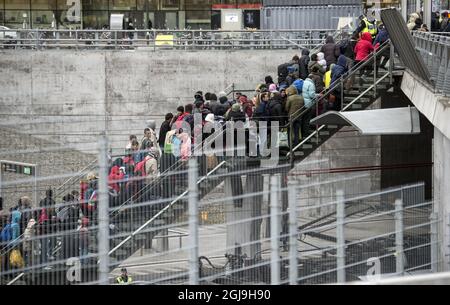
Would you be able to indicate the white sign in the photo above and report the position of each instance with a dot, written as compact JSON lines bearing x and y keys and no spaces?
{"x":232,"y":17}
{"x":74,"y":12}
{"x":116,"y":22}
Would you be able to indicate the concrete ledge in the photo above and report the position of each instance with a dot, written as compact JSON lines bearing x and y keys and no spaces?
{"x":436,"y":108}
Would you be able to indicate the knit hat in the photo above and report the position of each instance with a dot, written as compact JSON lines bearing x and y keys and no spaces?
{"x":272,"y":88}
{"x":222,"y":93}
{"x":236,"y":107}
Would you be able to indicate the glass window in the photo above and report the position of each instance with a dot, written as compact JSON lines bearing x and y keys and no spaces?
{"x":197,"y":5}
{"x":170,"y":4}
{"x":198,"y":19}
{"x":17,"y":19}
{"x":95,"y":4}
{"x":95,"y":20}
{"x":147,"y":5}
{"x":122,"y":4}
{"x":17,"y":4}
{"x":41,"y":19}
{"x":2,"y":4}
{"x":43,"y":4}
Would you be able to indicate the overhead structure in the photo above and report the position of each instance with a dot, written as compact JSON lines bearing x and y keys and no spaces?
{"x":391,"y":121}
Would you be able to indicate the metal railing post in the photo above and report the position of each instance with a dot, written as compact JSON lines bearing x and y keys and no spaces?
{"x":434,"y":242}
{"x":375,"y":74}
{"x":103,"y":219}
{"x":293,"y":269}
{"x":340,"y":236}
{"x":391,"y":62}
{"x":274,"y":231}
{"x":342,"y":91}
{"x":399,"y":237}
{"x":291,"y":142}
{"x":193,"y":223}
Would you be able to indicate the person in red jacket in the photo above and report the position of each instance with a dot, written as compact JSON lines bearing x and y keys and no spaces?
{"x":362,"y":51}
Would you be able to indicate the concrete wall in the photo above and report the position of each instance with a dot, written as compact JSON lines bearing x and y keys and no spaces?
{"x":441,"y":194}
{"x":70,"y":96}
{"x":346,"y":149}
{"x":51,"y":163}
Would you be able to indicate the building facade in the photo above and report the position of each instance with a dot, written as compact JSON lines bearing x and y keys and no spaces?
{"x":144,"y":14}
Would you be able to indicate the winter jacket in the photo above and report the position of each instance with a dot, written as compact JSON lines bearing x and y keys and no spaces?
{"x":318,"y":81}
{"x":315,"y":63}
{"x":165,"y":128}
{"x":275,"y":109}
{"x":309,"y":92}
{"x":247,"y":106}
{"x":339,"y":69}
{"x":294,"y":101}
{"x":303,"y":64}
{"x":321,"y":60}
{"x":382,"y":37}
{"x":364,"y":47}
{"x":260,"y":111}
{"x":331,"y":50}
{"x":15,"y":224}
{"x":115,"y":175}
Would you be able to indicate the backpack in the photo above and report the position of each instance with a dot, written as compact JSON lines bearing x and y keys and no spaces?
{"x":283,"y":71}
{"x":298,"y":84}
{"x":6,"y":234}
{"x":294,"y":70}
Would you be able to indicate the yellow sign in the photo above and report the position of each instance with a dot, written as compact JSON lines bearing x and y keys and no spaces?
{"x":164,"y":40}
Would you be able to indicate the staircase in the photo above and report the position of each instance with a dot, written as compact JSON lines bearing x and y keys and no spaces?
{"x":354,"y":98}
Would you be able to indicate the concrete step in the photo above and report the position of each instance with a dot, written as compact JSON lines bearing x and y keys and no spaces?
{"x":307,"y":146}
{"x":356,"y":106}
{"x":324,"y":133}
{"x":332,"y":126}
{"x":299,"y":153}
{"x":349,"y":99}
{"x":315,"y":140}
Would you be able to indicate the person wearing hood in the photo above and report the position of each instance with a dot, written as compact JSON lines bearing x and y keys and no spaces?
{"x":339,"y":70}
{"x":330,"y":50}
{"x":294,"y":104}
{"x":363,"y":49}
{"x":16,"y":216}
{"x":381,"y":38}
{"x":321,"y":60}
{"x":303,"y":64}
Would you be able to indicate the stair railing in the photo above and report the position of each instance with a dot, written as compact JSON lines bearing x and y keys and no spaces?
{"x":338,"y":84}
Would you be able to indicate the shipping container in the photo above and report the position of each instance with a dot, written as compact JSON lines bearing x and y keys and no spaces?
{"x":310,"y":2}
{"x":307,"y":17}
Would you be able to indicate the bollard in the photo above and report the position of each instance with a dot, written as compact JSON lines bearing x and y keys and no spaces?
{"x":193,"y":223}
{"x":340,"y":237}
{"x":293,"y":268}
{"x":399,"y":267}
{"x":274,"y":231}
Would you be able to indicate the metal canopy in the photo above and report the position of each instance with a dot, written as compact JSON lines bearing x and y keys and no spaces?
{"x":392,"y":121}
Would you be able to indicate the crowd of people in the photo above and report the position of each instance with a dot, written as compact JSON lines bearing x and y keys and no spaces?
{"x":299,"y":83}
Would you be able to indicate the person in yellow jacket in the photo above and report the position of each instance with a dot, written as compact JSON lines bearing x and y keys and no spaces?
{"x":124,"y":278}
{"x":327,"y":77}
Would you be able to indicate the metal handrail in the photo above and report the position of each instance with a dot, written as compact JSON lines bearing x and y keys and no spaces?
{"x":165,"y":209}
{"x":338,"y":83}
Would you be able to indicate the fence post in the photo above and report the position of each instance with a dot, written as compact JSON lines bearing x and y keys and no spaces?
{"x":375,"y":74}
{"x":274,"y":231}
{"x":391,"y":62}
{"x":193,"y":223}
{"x":399,"y":236}
{"x":103,"y":205}
{"x":292,"y":234}
{"x":340,"y":237}
{"x":433,"y":242}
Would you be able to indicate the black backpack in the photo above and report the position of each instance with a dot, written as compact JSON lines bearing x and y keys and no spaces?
{"x":283,"y":71}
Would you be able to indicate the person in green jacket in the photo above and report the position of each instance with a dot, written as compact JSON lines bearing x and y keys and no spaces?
{"x":294,"y":104}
